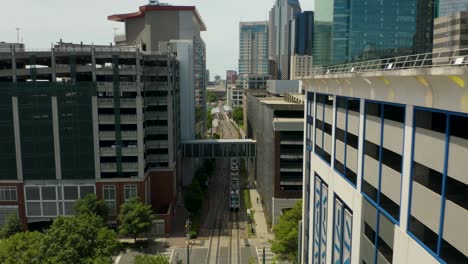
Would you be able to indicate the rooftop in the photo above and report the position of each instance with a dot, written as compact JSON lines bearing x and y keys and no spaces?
{"x":147,"y":8}
{"x":452,"y":62}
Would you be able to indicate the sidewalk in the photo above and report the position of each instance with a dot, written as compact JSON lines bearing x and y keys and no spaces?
{"x":261,"y":228}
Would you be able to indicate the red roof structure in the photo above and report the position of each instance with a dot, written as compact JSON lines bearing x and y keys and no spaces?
{"x":144,"y":9}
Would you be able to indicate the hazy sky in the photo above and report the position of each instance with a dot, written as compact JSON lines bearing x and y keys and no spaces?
{"x":45,"y":21}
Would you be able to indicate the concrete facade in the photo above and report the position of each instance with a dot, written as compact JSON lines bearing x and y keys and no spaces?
{"x":384,"y":153}
{"x":154,"y":24}
{"x":124,"y":114}
{"x":253,"y":48}
{"x":282,"y":87}
{"x":277,"y":127}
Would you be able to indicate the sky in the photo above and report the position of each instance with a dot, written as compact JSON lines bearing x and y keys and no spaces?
{"x":43,"y":22}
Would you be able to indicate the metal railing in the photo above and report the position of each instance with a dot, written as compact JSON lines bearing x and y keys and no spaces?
{"x":448,"y":58}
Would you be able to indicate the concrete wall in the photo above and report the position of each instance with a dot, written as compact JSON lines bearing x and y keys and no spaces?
{"x":282,"y":86}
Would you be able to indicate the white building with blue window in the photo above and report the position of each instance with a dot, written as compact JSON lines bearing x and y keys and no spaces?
{"x":385,"y":162}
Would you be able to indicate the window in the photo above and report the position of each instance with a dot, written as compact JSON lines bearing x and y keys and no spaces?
{"x":51,"y":201}
{"x":323,"y":127}
{"x":346,"y":138}
{"x":377,"y":236}
{"x":309,"y":120}
{"x":439,"y":179}
{"x":342,"y":232}
{"x":306,"y":222}
{"x":130,"y":191}
{"x":109,"y":199}
{"x":383,"y":156}
{"x":8,"y":193}
{"x":319,"y":247}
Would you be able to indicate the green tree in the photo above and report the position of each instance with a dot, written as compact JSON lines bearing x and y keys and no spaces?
{"x":134,"y":218}
{"x":193,"y":198}
{"x":90,"y":204}
{"x":238,"y":115}
{"x":79,"y":239}
{"x":12,"y":226}
{"x":209,"y":119}
{"x":286,"y":234}
{"x":211,"y":97}
{"x":21,"y":248}
{"x":148,"y":259}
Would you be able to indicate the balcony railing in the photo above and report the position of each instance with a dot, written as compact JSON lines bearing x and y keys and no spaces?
{"x":156,"y":130}
{"x":447,"y":58}
{"x":108,"y":166}
{"x":107,"y":151}
{"x":154,"y":144}
{"x":129,"y":166}
{"x":129,"y":134}
{"x":130,"y":151}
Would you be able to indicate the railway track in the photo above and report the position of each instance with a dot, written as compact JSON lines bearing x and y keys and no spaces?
{"x":217,"y":224}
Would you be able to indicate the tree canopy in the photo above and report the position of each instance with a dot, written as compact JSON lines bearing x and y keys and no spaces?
{"x":90,"y":204}
{"x":147,"y":259}
{"x":134,"y":218}
{"x":238,"y":115}
{"x":193,"y":198}
{"x":286,"y":234}
{"x":21,"y":248}
{"x":12,"y":226}
{"x":79,"y":239}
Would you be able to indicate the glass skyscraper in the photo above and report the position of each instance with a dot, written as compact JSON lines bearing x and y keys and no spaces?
{"x":379,"y":29}
{"x":447,"y":7}
{"x":282,"y":13}
{"x":348,"y":31}
{"x":303,"y":34}
{"x":323,"y":21}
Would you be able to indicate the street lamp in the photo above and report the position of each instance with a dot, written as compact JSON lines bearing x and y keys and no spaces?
{"x":188,"y":225}
{"x":17,"y":35}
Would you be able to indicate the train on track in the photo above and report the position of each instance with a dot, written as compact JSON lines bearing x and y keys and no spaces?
{"x":234,"y":199}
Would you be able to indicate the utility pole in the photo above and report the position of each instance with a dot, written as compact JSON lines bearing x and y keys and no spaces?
{"x":188,"y":225}
{"x":264,"y":255}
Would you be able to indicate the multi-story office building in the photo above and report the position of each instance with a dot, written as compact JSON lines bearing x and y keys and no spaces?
{"x":323,"y":21}
{"x":277,"y":125}
{"x":451,"y":33}
{"x":301,"y":65}
{"x":231,"y":77}
{"x":381,"y":29}
{"x":385,"y":164}
{"x":163,"y":23}
{"x":253,"y":48}
{"x":302,"y":34}
{"x":447,"y":7}
{"x":235,"y":96}
{"x":363,"y":30}
{"x":85,"y":119}
{"x":279,"y":24}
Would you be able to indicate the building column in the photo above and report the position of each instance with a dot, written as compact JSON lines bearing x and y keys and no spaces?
{"x":332,"y":158}
{"x":97,"y":160}
{"x":362,"y":116}
{"x":13,"y":65}
{"x":93,"y":64}
{"x":16,"y":127}
{"x":406,"y":175}
{"x":55,"y":129}
{"x":53,"y":69}
{"x":140,"y":136}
